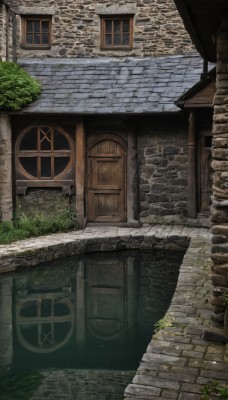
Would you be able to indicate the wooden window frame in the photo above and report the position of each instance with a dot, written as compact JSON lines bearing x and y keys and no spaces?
{"x":121,"y":18}
{"x":52,"y":322}
{"x":40,"y":18}
{"x":63,"y":178}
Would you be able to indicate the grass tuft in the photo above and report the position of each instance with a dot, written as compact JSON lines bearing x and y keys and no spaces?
{"x":24,"y":227}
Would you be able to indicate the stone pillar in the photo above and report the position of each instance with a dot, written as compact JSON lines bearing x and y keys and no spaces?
{"x":6,"y":200}
{"x":219,"y":210}
{"x":6,"y":329}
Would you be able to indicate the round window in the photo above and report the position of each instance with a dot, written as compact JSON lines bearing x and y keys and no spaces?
{"x":44,"y":152}
{"x":44,"y":323}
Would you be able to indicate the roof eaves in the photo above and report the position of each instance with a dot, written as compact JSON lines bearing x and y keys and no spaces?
{"x":196,"y":88}
{"x":189,"y":25}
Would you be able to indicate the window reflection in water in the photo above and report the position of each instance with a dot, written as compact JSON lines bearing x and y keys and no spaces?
{"x":92,"y":311}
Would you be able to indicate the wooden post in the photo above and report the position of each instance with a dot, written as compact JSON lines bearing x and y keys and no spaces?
{"x":6,"y":196}
{"x":6,"y":315}
{"x":80,"y":306}
{"x":132,"y":301}
{"x":80,"y":173}
{"x":192,"y":207}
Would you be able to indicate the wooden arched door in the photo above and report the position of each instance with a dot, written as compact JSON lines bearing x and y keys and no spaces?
{"x":106,"y":198}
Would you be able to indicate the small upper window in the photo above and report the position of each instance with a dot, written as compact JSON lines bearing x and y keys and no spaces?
{"x":36,"y":31}
{"x":116,"y":32}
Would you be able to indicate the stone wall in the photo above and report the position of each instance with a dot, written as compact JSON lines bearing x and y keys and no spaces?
{"x":3,"y":18}
{"x":219,"y":211}
{"x":163,"y":169}
{"x":83,"y":384}
{"x":43,"y":201}
{"x":6,"y":36}
{"x":157,"y":282}
{"x":54,"y":249}
{"x":158,"y":28}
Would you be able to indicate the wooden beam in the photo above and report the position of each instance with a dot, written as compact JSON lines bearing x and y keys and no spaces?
{"x":80,"y":173}
{"x":6,"y":195}
{"x":80,"y":307}
{"x":192,"y":207}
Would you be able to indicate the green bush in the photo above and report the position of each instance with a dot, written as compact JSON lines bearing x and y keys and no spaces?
{"x":23,"y":227}
{"x":17,"y":87}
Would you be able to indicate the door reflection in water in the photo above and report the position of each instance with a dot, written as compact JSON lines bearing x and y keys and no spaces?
{"x":89,"y":312}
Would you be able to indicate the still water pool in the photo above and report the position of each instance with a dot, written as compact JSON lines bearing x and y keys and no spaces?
{"x":83,"y":323}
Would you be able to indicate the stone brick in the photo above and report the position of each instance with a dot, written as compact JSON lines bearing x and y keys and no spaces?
{"x":140,"y":390}
{"x":220,"y":230}
{"x":219,"y":210}
{"x":219,"y":248}
{"x":219,"y":165}
{"x":189,"y":396}
{"x":158,"y":28}
{"x":217,"y":300}
{"x":187,"y":387}
{"x":220,"y":269}
{"x":219,"y":239}
{"x":218,"y":215}
{"x":164,"y":169}
{"x":160,"y":383}
{"x":221,"y":153}
{"x":219,"y":280}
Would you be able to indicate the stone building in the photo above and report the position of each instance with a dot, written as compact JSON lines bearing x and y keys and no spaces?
{"x":105,"y":136}
{"x":208,"y":27}
{"x":83,"y":28}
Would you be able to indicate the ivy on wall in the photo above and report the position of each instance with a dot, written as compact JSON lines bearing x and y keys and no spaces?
{"x":17,"y":87}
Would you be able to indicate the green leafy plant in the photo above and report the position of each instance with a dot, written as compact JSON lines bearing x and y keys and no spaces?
{"x":21,"y":386}
{"x":23,"y":226}
{"x":163,"y":323}
{"x":225,"y":299}
{"x":213,"y":388}
{"x":17,"y":87}
{"x":223,"y":392}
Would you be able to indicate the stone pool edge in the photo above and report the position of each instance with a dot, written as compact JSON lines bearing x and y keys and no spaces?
{"x":178,"y":363}
{"x":35,"y":251}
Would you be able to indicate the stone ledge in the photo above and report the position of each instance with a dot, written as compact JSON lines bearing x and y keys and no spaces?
{"x":35,"y":251}
{"x":35,"y":10}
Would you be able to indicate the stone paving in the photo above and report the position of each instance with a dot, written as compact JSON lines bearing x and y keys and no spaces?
{"x":178,"y":363}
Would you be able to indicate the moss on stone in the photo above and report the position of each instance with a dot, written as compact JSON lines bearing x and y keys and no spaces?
{"x":21,"y":386}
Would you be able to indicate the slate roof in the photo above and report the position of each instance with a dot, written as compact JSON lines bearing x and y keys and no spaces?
{"x":112,"y":86}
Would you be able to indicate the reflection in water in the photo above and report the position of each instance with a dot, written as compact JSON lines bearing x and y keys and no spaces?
{"x":85,"y":317}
